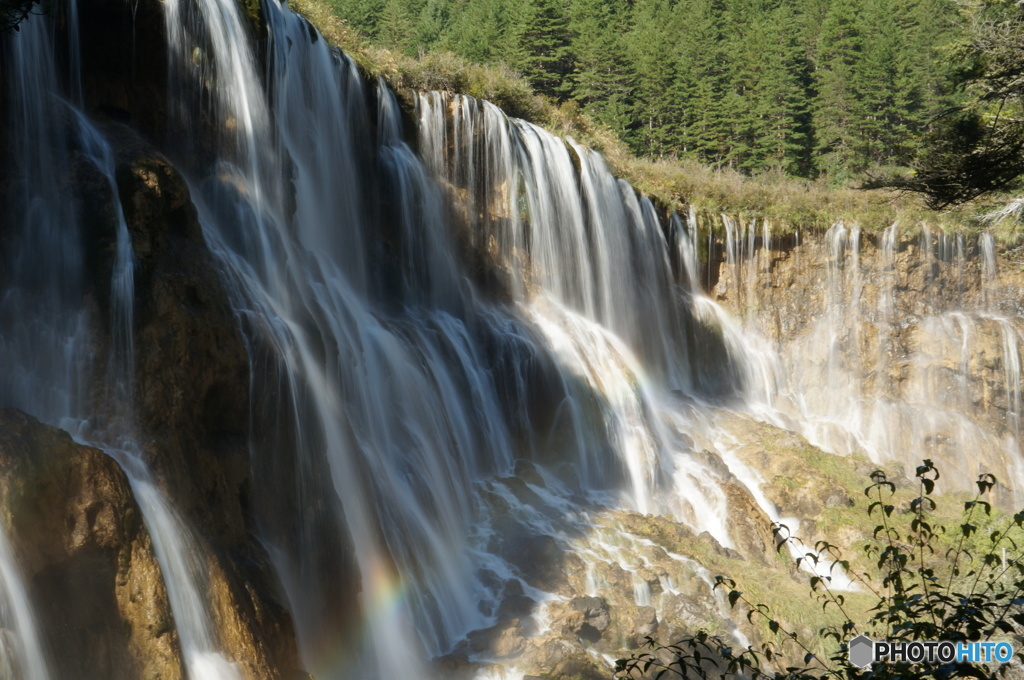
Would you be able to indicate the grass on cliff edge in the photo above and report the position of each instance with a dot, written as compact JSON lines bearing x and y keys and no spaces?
{"x":789,"y":203}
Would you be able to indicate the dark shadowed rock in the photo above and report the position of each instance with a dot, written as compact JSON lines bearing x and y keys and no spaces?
{"x":192,"y":396}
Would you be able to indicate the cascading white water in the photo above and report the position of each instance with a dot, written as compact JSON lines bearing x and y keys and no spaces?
{"x":183,"y":571}
{"x":989,"y":269}
{"x":21,"y":648}
{"x":180,"y":558}
{"x":44,"y":341}
{"x":389,"y":380}
{"x":421,"y":324}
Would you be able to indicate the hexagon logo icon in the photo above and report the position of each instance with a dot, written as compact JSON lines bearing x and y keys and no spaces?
{"x":862,"y":651}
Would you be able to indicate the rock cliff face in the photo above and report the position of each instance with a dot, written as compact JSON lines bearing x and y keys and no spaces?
{"x":87,"y":556}
{"x":909,"y":340}
{"x":192,"y":400}
{"x":192,"y":410}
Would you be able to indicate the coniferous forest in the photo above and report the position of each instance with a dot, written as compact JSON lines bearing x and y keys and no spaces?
{"x":806,"y":87}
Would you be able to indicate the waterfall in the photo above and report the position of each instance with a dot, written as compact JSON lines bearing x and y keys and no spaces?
{"x":21,"y":648}
{"x":387,"y":373}
{"x":989,"y":269}
{"x":861,"y":376}
{"x":47,"y":295}
{"x":179,"y":556}
{"x":463,"y":355}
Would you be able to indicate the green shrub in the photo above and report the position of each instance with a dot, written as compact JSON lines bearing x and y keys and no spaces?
{"x":967,"y":593}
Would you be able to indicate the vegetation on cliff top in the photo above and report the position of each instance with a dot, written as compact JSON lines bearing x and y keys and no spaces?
{"x":674,"y":180}
{"x":805,"y":87}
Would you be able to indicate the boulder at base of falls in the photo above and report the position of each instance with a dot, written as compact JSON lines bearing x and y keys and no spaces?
{"x":85,"y":557}
{"x":634,"y":625}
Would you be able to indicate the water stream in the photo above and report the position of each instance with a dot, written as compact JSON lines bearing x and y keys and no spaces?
{"x":461,"y":352}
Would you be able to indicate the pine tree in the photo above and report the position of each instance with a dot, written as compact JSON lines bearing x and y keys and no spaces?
{"x":395,"y":26}
{"x":479,"y":30}
{"x":539,"y":38}
{"x":782,"y":137}
{"x":837,"y":109}
{"x":701,"y":81}
{"x":654,"y":59}
{"x":361,"y":14}
{"x":602,"y":81}
{"x":431,"y":25}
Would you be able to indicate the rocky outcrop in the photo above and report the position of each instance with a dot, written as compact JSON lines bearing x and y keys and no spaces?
{"x":92,"y":572}
{"x":910,"y":342}
{"x":86,"y":556}
{"x":192,"y":387}
{"x":192,"y":401}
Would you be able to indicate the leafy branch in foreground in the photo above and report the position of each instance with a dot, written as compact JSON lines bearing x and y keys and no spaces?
{"x":969,"y":592}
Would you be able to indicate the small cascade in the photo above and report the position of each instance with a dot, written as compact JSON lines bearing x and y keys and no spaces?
{"x":884,"y":387}
{"x":180,"y":557}
{"x":886,"y":299}
{"x":1011,"y":341}
{"x":686,"y":239}
{"x":21,"y":647}
{"x":122,"y":284}
{"x":788,"y":527}
{"x":180,"y":561}
{"x":989,"y":269}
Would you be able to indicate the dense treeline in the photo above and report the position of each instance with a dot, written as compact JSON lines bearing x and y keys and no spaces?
{"x":807,"y":87}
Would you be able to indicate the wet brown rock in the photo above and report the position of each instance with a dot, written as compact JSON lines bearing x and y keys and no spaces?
{"x":192,"y":390}
{"x":192,"y":418}
{"x":580,"y":666}
{"x":749,"y":527}
{"x":684,"y":615}
{"x":192,"y":396}
{"x":662,"y":531}
{"x":540,"y":559}
{"x":514,"y":603}
{"x":455,"y":665}
{"x":86,"y":556}
{"x":594,"y":618}
{"x":502,"y":641}
{"x":561,"y":659}
{"x":634,"y":625}
{"x":797,"y":476}
{"x":551,"y":652}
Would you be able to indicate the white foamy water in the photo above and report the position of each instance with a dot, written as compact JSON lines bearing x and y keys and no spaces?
{"x":483,"y":343}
